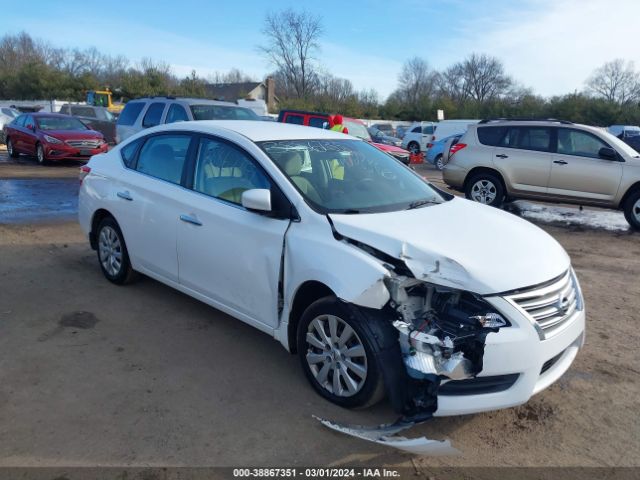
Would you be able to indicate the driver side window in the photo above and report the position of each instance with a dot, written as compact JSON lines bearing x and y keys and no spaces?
{"x":225,"y":172}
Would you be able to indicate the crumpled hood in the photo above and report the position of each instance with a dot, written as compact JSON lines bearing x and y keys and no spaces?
{"x":461,"y":244}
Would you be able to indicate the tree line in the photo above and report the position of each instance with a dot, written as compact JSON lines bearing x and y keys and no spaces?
{"x":475,"y":87}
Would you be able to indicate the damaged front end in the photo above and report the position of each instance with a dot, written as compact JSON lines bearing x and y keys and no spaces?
{"x":441,"y":337}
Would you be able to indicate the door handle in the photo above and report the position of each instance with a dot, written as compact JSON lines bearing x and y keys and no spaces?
{"x":560,"y":162}
{"x":124,"y":196}
{"x":190,"y":219}
{"x":502,"y":155}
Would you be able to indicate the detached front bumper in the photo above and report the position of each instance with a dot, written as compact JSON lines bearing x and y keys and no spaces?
{"x":67,"y":152}
{"x":517,"y":365}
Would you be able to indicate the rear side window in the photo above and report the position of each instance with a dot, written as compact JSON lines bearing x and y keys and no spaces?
{"x":153,"y":115}
{"x":83,"y":112}
{"x":130,"y":113}
{"x":317,"y":122}
{"x":491,"y":135}
{"x":295,"y":119}
{"x":128,"y":153}
{"x":176,"y":113}
{"x":528,"y":138}
{"x":163,"y":157}
{"x":19,"y":122}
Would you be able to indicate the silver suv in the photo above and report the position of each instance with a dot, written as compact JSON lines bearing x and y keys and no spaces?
{"x":148,"y":112}
{"x":549,"y":160}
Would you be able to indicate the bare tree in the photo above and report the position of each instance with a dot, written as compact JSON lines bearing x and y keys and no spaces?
{"x":483,"y":77}
{"x":615,"y":81}
{"x":232,"y":76}
{"x":417,"y":81}
{"x":291,"y":43}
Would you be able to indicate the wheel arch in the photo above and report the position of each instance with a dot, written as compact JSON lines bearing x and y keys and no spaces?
{"x":305,"y":295}
{"x":632,"y":189}
{"x":477,"y":170}
{"x":98,"y":216}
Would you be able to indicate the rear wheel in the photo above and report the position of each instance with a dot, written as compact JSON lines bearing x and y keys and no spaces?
{"x":414,"y":147}
{"x":632,"y":210}
{"x":11,"y":150}
{"x":485,"y":188}
{"x":112,"y":253}
{"x":338,"y":354}
{"x":439,"y":163}
{"x":42,"y":159}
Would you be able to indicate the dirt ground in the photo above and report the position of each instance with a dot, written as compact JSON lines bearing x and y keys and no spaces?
{"x":95,"y":374}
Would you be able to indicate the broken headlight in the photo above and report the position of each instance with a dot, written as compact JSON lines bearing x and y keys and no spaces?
{"x":442,"y":331}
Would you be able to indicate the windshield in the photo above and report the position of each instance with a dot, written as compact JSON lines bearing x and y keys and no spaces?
{"x":222,"y":112}
{"x":60,"y":123}
{"x":349,"y":176}
{"x":357,"y":130}
{"x":619,"y":144}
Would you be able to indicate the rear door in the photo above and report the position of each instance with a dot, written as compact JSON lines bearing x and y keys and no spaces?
{"x":578,"y":171}
{"x":523,"y":156}
{"x":148,"y":202}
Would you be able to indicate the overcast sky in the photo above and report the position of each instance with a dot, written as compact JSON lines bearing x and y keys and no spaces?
{"x":551,"y":46}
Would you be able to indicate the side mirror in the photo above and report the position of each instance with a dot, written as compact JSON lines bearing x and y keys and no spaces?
{"x":257,"y":199}
{"x":607,"y":153}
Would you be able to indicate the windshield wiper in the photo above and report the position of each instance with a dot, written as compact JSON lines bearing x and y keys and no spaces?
{"x":420,"y":203}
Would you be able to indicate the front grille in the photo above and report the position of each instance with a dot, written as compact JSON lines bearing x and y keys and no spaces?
{"x":478,"y":385}
{"x":83,"y":143}
{"x":550,"y":305}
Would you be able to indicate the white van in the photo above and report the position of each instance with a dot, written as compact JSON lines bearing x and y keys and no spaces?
{"x":446,"y":128}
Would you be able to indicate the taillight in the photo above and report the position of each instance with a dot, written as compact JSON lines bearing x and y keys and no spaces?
{"x":429,"y":145}
{"x":84,"y":171}
{"x":456,"y":148}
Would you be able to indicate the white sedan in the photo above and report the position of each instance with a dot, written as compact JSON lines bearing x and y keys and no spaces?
{"x":380,"y":282}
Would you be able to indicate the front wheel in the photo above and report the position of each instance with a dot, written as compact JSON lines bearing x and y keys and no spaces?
{"x":485,"y":188}
{"x":338,"y":355}
{"x":632,"y":210}
{"x":42,"y":159}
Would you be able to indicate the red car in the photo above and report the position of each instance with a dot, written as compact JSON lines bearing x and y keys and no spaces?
{"x":52,"y":136}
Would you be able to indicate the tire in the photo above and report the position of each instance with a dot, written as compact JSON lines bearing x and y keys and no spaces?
{"x":40,"y":156}
{"x":485,"y":188}
{"x":113,"y":257}
{"x":12,"y":151}
{"x":632,"y":210}
{"x":439,"y":163}
{"x":414,"y":147}
{"x":366,"y":385}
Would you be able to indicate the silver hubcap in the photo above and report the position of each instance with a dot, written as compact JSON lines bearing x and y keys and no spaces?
{"x":40,"y":153}
{"x":336,"y":356}
{"x":484,"y":191}
{"x":110,"y":251}
{"x":439,"y":163}
{"x":414,"y":148}
{"x":636,"y":210}
{"x":10,"y":148}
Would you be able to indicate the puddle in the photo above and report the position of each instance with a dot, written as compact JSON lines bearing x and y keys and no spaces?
{"x":29,"y":200}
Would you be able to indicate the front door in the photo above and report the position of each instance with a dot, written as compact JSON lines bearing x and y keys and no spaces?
{"x":578,"y":171}
{"x":227,"y":253}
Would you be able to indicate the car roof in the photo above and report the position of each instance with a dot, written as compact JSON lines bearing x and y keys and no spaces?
{"x":188,"y":101}
{"x":256,"y":130}
{"x":538,"y":123}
